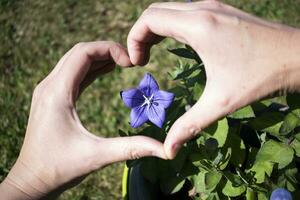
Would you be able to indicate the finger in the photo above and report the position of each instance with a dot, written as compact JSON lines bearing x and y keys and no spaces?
{"x":77,"y":64}
{"x":155,"y":22}
{"x":178,"y":5}
{"x":201,"y":115}
{"x":128,"y":148}
{"x":210,"y":5}
{"x":60,"y":62}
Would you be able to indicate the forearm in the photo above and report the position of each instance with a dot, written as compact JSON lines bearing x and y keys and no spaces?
{"x":291,"y":70}
{"x":277,"y":55}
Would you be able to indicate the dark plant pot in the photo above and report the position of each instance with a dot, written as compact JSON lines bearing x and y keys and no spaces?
{"x":136,"y":187}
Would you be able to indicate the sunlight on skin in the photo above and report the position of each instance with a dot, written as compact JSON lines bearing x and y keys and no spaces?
{"x":257,"y":58}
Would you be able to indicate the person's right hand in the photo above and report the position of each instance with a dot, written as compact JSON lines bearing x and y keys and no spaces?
{"x":245,"y":58}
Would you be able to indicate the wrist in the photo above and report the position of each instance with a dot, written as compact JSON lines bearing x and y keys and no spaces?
{"x":278,"y":68}
{"x":10,"y":191}
{"x":291,"y":70}
{"x":285,"y":63}
{"x":24,"y":183}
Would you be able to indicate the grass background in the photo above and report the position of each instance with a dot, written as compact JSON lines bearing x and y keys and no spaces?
{"x":34,"y":34}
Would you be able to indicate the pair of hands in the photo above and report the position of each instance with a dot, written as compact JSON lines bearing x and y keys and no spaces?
{"x":245,"y":58}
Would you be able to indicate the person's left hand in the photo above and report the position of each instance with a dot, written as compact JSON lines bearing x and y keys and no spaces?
{"x":58,"y":152}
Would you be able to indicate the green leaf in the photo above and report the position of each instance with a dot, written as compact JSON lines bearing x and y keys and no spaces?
{"x":261,"y":169}
{"x":196,"y":157}
{"x":245,"y":112}
{"x":293,"y":100}
{"x":268,"y":122}
{"x":233,"y":178}
{"x":211,"y":144}
{"x":197,"y":58}
{"x":183,"y":52}
{"x":275,"y":152}
{"x":187,"y":71}
{"x":179,"y":91}
{"x":122,"y":133}
{"x":235,"y":142}
{"x":212,"y":179}
{"x":290,"y":122}
{"x":217,"y":159}
{"x":271,"y":152}
{"x":199,"y":182}
{"x":189,"y":170}
{"x":297,"y":136}
{"x":250,"y":194}
{"x":296,"y":144}
{"x":219,"y":131}
{"x":173,"y":185}
{"x":223,"y":164}
{"x":197,"y":91}
{"x":261,"y":106}
{"x":288,"y":179}
{"x":262,"y":196}
{"x":213,"y":196}
{"x":231,"y":190}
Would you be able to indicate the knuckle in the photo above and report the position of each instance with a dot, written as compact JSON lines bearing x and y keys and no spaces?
{"x":46,"y":94}
{"x":189,"y":129}
{"x":79,"y":45}
{"x":115,"y":52}
{"x":147,"y":13}
{"x":132,"y":148}
{"x":37,"y":92}
{"x":215,"y":3}
{"x":208,"y":17}
{"x":154,"y":5}
{"x":207,"y":23}
{"x":226,"y":104}
{"x":131,"y":153}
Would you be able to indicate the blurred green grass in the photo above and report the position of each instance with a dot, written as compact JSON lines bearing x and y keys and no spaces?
{"x":34,"y":34}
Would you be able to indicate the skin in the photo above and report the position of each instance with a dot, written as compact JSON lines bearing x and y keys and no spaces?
{"x":58,"y":152}
{"x":245,"y":58}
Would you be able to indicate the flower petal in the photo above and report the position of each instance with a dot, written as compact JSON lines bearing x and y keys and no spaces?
{"x":138,"y":116}
{"x":156,"y":115}
{"x":163,"y":98}
{"x":148,"y":85}
{"x":132,"y":97}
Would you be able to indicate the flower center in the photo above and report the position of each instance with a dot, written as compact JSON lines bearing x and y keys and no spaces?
{"x":147,"y":101}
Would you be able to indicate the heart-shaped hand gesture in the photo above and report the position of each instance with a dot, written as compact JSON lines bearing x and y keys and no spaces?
{"x":58,"y":152}
{"x":245,"y":58}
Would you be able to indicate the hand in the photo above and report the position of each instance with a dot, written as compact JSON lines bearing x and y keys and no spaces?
{"x":58,"y":152}
{"x":245,"y":58}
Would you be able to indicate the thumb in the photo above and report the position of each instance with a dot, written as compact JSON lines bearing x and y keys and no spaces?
{"x":129,"y":148}
{"x":200,"y":116}
{"x":151,"y":27}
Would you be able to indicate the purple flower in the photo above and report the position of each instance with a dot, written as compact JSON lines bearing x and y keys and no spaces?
{"x":147,"y":102}
{"x":281,"y":194}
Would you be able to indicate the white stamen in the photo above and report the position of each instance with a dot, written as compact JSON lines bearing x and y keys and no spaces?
{"x":147,"y":101}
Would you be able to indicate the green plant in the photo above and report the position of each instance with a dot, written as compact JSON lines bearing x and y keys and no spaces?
{"x":245,"y":155}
